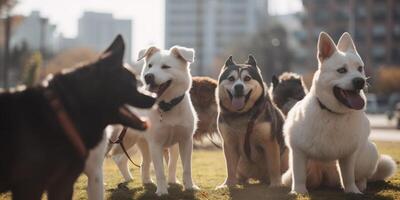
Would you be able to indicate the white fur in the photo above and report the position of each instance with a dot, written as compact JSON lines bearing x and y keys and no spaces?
{"x":167,"y":129}
{"x":94,"y":168}
{"x":317,"y":134}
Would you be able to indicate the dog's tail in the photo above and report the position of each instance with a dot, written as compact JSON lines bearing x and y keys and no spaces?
{"x":386,"y":168}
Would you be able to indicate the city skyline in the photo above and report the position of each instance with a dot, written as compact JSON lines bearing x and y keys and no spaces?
{"x":147,"y":16}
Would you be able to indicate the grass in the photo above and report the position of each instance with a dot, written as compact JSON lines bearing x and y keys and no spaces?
{"x":209,"y":171}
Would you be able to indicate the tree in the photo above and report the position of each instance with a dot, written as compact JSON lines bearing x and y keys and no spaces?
{"x":31,"y":71}
{"x":69,"y":59}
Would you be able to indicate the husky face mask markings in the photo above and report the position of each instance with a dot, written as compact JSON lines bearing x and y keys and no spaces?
{"x":240,"y":85}
{"x":342,"y":70}
{"x":247,"y":122}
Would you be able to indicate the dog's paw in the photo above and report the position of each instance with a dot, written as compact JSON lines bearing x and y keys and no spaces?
{"x":224,"y":186}
{"x":352,"y":189}
{"x":175,"y":182}
{"x":161,"y":191}
{"x":302,"y":190}
{"x":147,"y":182}
{"x":193,"y":188}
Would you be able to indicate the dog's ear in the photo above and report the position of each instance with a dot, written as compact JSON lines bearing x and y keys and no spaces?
{"x":147,"y":53}
{"x":275,"y":81}
{"x":186,"y":54}
{"x":115,"y":52}
{"x":251,"y":61}
{"x":229,"y":62}
{"x":346,"y":43}
{"x":326,"y":46}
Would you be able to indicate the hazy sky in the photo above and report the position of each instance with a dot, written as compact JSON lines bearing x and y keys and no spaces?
{"x":147,"y":15}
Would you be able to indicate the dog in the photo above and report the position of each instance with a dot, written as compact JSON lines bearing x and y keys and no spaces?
{"x":330,"y":124}
{"x":250,"y":125}
{"x":48,"y":130}
{"x":202,"y":95}
{"x":166,"y":73}
{"x":203,"y":98}
{"x":287,"y":90}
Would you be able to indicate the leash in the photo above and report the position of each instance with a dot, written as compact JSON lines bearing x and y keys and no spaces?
{"x":120,"y":142}
{"x":69,"y":128}
{"x":213,"y":142}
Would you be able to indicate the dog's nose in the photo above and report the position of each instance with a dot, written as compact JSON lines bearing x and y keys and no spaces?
{"x":239,"y":89}
{"x":358,"y":83}
{"x":149,"y":79}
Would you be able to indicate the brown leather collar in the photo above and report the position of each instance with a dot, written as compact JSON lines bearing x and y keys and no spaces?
{"x":69,"y":128}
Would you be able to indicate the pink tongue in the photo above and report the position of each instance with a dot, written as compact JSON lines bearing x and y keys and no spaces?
{"x":354,"y":100}
{"x":238,"y":103}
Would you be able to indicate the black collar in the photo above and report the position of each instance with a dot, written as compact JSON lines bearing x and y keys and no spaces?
{"x":167,"y":106}
{"x":323,"y":107}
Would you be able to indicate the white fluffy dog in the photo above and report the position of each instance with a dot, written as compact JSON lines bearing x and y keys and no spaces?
{"x":167,"y":73}
{"x":330,"y":124}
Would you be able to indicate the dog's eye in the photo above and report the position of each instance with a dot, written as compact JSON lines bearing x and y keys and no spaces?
{"x":247,"y":78}
{"x":342,"y":70}
{"x":165,"y":67}
{"x":360,"y":68}
{"x":150,"y":65}
{"x":231,"y":78}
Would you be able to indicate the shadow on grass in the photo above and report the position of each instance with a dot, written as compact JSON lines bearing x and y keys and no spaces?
{"x":259,"y":191}
{"x":175,"y":191}
{"x":122,"y":192}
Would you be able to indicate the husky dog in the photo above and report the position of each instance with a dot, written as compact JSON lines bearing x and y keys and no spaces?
{"x":250,"y":125}
{"x":48,"y":130}
{"x":167,"y":73}
{"x":330,"y":124}
{"x":287,"y":90}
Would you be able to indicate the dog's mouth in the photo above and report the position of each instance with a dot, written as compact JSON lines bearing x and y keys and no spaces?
{"x":160,"y":89}
{"x":350,"y":98}
{"x":128,"y":118}
{"x":238,"y":102}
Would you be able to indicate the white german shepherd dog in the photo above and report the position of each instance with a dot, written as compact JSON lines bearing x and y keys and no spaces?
{"x":330,"y":124}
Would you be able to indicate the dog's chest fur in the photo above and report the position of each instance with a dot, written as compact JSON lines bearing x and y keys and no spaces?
{"x":168,"y":128}
{"x":324,"y":135}
{"x":235,"y":128}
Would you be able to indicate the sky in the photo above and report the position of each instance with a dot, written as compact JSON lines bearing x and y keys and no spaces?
{"x":147,"y":15}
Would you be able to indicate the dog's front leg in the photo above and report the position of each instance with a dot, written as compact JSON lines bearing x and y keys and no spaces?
{"x":95,"y":187}
{"x":347,"y":165}
{"x":231,"y":159}
{"x":172,"y":162}
{"x":146,"y":161}
{"x":185,"y":150}
{"x":273,"y":164}
{"x":158,"y":163}
{"x":298,"y":164}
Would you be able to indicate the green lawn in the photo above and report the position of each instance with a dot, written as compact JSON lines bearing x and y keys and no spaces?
{"x":209,"y":171}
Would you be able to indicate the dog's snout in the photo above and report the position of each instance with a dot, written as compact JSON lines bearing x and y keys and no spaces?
{"x":358,"y":83}
{"x":149,"y":78}
{"x":239,"y":89}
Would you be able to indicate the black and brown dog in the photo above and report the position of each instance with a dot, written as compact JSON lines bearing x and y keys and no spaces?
{"x":287,"y":90}
{"x":46,"y":131}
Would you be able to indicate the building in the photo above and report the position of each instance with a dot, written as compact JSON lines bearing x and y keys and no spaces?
{"x":210,"y":27}
{"x":35,"y":32}
{"x":97,"y":30}
{"x":374,"y":24}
